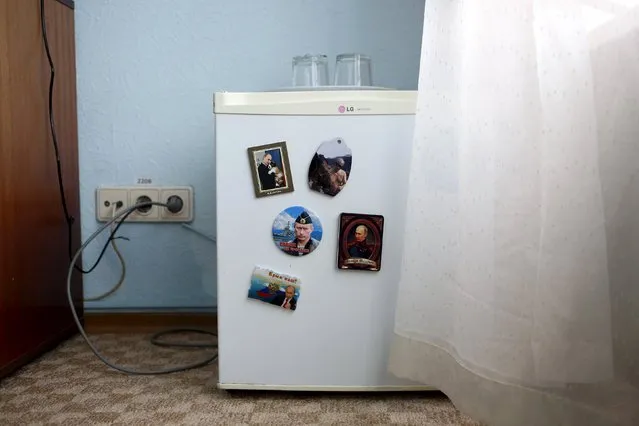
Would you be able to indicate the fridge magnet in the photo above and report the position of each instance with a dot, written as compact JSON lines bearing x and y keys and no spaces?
{"x":330,"y":167}
{"x":276,"y":289}
{"x":297,"y":231}
{"x":270,"y":169}
{"x":360,"y":241}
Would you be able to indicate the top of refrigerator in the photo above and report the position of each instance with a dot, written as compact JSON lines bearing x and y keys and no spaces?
{"x":317,"y":102}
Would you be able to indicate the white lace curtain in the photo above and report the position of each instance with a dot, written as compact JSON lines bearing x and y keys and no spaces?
{"x":519,"y":295}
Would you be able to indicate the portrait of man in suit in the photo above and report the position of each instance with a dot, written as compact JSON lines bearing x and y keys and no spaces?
{"x":270,"y":169}
{"x":266,"y":172}
{"x":286,"y":300}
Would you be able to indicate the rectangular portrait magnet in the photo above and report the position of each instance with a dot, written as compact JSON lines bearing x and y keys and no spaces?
{"x":270,"y":169}
{"x":360,"y":241}
{"x":279,"y":290}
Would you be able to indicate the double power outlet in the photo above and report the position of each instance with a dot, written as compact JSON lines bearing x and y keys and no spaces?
{"x":123,"y":197}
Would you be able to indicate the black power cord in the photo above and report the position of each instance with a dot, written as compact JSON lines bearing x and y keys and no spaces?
{"x":70,"y":220}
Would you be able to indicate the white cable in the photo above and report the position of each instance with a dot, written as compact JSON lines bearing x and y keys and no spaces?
{"x":124,"y":214}
{"x":200,"y":233}
{"x":120,"y":258}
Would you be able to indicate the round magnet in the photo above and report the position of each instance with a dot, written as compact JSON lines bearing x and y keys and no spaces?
{"x":330,"y":167}
{"x":297,"y":231}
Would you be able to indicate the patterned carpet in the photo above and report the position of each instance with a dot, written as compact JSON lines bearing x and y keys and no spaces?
{"x":71,"y":386}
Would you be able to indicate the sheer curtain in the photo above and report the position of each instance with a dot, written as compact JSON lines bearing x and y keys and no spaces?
{"x":519,"y":294}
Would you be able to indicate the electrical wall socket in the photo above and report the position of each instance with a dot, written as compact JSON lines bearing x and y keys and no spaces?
{"x":106,"y":198}
{"x":141,"y":195}
{"x":131,"y":195}
{"x":186,"y":195}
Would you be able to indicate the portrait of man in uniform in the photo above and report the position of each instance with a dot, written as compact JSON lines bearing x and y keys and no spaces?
{"x":296,"y":231}
{"x":359,"y":247}
{"x":303,"y":243}
{"x":360,"y":241}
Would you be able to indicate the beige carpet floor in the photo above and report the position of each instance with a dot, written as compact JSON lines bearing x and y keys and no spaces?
{"x":71,"y":386}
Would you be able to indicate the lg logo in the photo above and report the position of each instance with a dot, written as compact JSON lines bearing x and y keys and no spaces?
{"x":342,"y":109}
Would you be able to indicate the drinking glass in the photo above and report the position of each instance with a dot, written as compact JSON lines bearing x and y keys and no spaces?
{"x":353,"y":69}
{"x":310,"y":70}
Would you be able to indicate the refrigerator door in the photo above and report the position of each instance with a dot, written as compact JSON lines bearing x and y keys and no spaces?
{"x":339,"y":335}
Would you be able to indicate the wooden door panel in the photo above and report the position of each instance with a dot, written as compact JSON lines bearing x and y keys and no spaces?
{"x":34,"y":312}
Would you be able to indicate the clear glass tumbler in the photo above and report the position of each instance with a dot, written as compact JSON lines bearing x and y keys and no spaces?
{"x":310,"y":71}
{"x":353,"y":69}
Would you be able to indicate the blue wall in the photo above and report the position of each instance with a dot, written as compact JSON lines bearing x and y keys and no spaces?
{"x":147,"y":71}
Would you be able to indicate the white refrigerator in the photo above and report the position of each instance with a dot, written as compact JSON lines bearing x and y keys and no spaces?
{"x":338,"y":337}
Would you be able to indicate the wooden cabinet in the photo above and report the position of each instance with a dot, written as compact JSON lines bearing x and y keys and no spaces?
{"x":34,"y":312}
